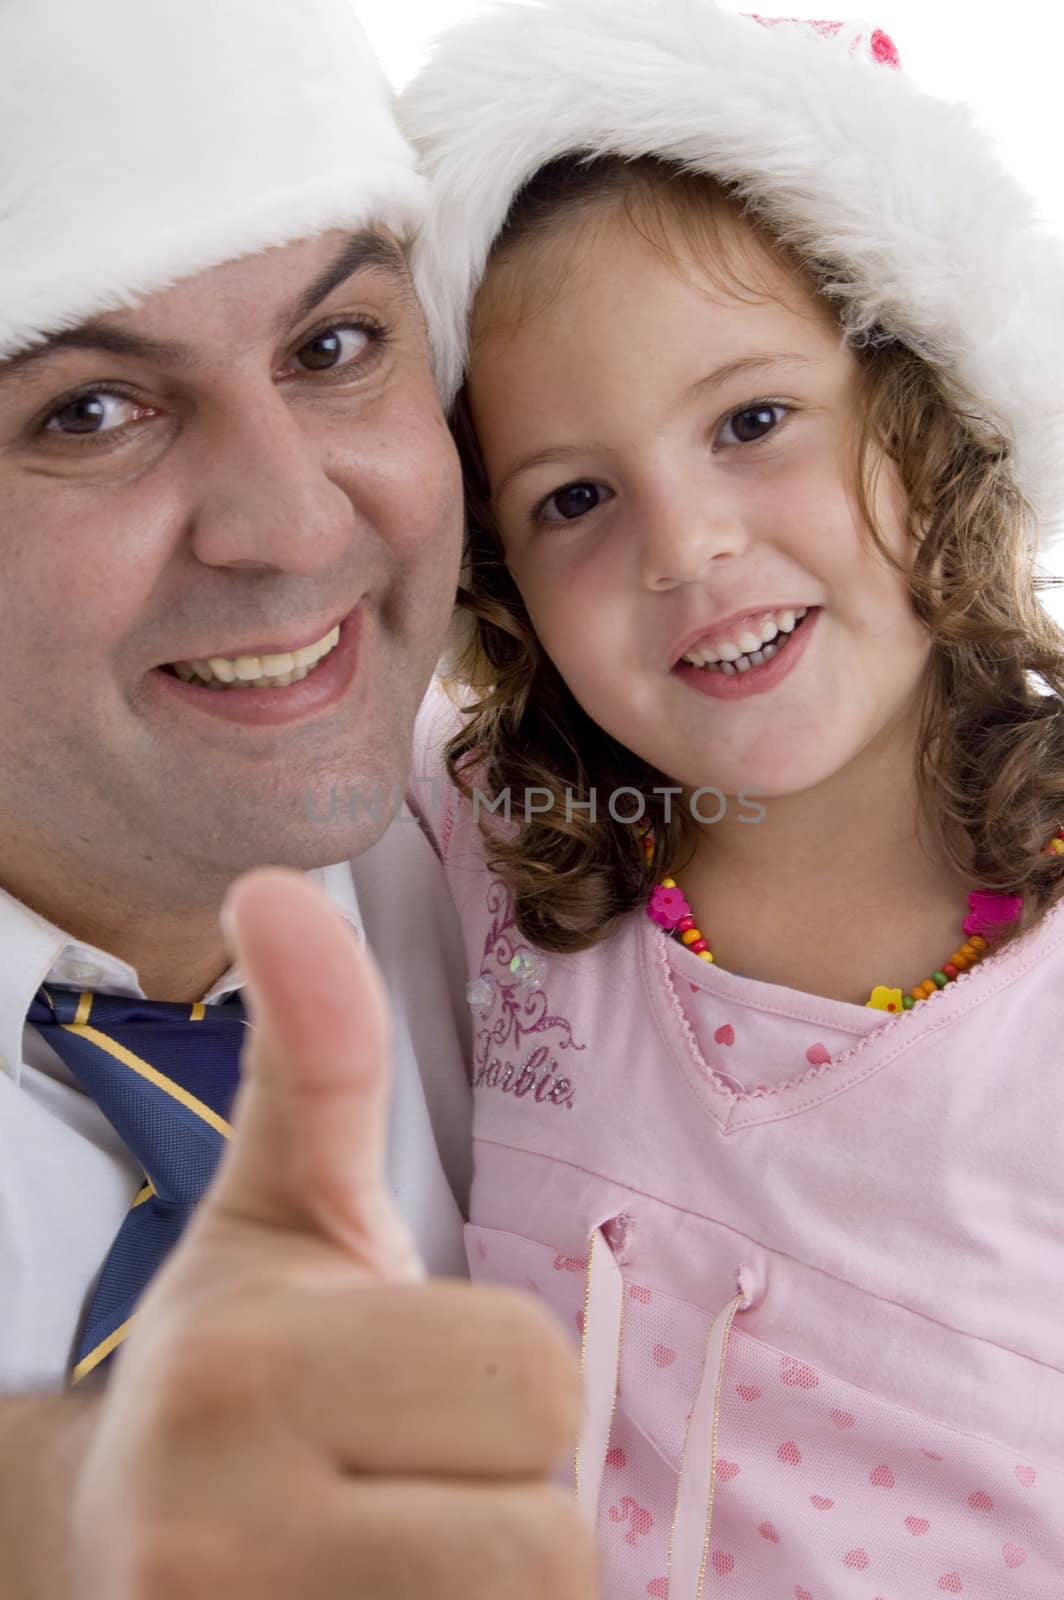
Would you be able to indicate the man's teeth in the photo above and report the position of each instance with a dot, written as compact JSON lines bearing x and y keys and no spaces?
{"x":756,"y":644}
{"x":258,"y":672}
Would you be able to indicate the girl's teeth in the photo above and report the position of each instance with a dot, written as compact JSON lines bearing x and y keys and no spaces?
{"x":751,"y":650}
{"x":221,"y":669}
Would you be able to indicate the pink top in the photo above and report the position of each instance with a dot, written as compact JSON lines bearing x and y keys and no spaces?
{"x":813,"y":1252}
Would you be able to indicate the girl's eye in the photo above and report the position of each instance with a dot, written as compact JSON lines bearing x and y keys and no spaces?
{"x":752,"y":423}
{"x":572,"y":502}
{"x":334,"y":347}
{"x":98,"y":412}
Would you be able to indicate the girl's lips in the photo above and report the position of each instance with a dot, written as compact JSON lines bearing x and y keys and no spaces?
{"x":323,"y":687}
{"x":757,"y":680}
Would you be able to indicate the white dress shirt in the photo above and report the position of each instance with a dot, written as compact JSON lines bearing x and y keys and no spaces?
{"x":66,"y":1179}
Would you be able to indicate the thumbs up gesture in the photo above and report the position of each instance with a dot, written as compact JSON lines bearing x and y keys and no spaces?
{"x":297,"y":1414}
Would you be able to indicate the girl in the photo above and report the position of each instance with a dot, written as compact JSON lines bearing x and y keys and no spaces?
{"x":761,"y":418}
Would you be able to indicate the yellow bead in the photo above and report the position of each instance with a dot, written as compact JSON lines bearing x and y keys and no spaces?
{"x":692,"y":936}
{"x":978,"y":941}
{"x":1057,"y":847}
{"x":705,"y":955}
{"x":668,"y":883}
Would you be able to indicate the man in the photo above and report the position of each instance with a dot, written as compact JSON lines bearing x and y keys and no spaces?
{"x":230,"y":518}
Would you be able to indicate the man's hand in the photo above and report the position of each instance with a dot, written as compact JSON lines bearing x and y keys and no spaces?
{"x":295,"y":1416}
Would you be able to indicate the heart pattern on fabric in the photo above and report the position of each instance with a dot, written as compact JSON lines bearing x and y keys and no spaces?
{"x":767,"y":1531}
{"x":818,"y":1055}
{"x":917,"y":1526}
{"x":1014,"y":1555}
{"x":727,"y":1470}
{"x":882,"y":1476}
{"x":723,"y":1563}
{"x":789,"y":1453}
{"x":725,"y":1034}
{"x":797,"y":1374}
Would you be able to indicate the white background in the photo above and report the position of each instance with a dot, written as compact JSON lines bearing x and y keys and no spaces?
{"x":1006,"y":60}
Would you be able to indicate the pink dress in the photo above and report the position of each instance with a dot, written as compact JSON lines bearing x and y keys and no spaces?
{"x":813,"y":1256}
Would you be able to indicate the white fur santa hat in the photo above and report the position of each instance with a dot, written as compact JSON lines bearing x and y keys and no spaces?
{"x":897,"y":199}
{"x":143,"y":141}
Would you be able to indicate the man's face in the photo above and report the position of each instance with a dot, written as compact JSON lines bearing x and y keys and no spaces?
{"x":191,"y":492}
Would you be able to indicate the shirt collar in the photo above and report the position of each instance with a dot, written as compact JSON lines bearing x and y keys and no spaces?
{"x":34,"y":951}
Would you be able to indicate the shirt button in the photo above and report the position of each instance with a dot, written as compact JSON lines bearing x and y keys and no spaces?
{"x":79,"y":972}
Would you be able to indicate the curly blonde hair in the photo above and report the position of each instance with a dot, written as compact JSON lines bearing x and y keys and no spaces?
{"x":990,"y":758}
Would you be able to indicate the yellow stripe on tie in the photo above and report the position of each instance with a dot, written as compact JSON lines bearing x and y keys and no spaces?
{"x":81,"y":1015}
{"x":105,"y":1347}
{"x":145,"y":1070}
{"x":147,"y":1193}
{"x":199,"y":1011}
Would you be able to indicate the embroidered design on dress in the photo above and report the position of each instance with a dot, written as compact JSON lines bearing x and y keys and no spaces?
{"x":509,"y":995}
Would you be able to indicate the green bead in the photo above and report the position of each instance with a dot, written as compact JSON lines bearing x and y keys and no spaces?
{"x":907,"y":1002}
{"x":939,"y":978}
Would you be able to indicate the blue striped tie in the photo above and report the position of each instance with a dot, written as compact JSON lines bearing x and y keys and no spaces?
{"x":164,"y":1076}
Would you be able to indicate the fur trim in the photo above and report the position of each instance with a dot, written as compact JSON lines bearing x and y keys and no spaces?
{"x":144,"y":142}
{"x":898,"y":198}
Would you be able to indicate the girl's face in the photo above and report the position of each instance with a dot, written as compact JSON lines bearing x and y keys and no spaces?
{"x":672,"y":471}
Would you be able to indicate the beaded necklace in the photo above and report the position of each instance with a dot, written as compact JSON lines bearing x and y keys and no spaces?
{"x":988,"y":915}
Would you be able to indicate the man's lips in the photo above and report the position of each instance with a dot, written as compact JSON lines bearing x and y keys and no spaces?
{"x":309,"y":635}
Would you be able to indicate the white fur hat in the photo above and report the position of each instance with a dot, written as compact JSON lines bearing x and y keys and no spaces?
{"x":897,"y":198}
{"x":143,"y":141}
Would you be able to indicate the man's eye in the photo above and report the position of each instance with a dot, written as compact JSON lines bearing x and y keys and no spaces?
{"x":334,"y":347}
{"x":751,"y":423}
{"x":99,"y":412}
{"x":573,"y":502}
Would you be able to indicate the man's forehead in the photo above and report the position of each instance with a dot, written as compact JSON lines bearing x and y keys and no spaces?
{"x":308,"y":284}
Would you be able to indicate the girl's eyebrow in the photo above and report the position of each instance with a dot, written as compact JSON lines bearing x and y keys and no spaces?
{"x":555,"y":455}
{"x":731,"y":369}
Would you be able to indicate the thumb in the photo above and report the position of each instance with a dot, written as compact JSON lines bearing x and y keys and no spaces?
{"x":309,"y":1144}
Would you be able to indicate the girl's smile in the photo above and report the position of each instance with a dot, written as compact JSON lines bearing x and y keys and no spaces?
{"x":672,"y":471}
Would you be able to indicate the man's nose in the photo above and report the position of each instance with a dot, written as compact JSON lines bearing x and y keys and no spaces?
{"x":267,"y":498}
{"x":682,"y":532}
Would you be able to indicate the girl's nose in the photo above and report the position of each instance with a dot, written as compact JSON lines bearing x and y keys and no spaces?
{"x":682,"y":535}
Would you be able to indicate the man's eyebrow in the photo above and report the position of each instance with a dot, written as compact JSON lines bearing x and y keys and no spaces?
{"x":364,"y":252}
{"x":90,"y":336}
